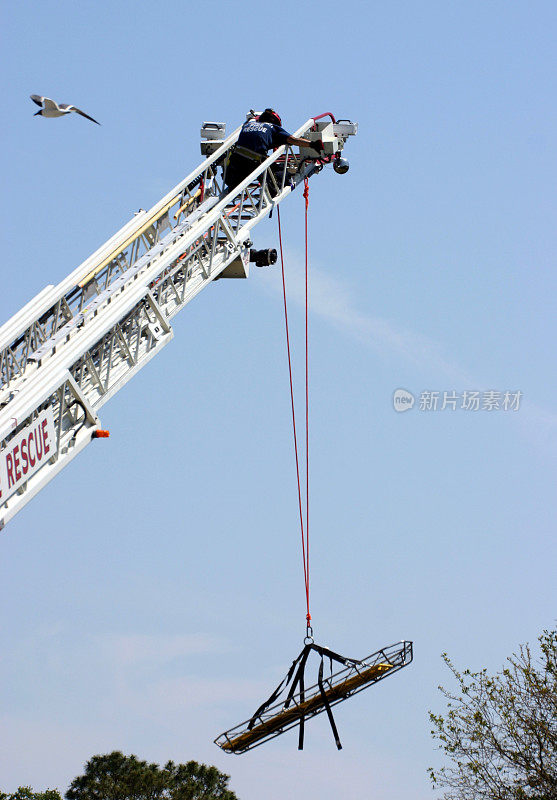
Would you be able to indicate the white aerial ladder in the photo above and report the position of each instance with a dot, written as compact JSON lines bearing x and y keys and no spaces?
{"x":73,"y":346}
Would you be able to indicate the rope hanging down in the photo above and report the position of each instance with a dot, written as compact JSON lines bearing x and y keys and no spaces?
{"x":304,"y":534}
{"x":296,"y":673}
{"x":309,"y":629}
{"x":301,"y":703}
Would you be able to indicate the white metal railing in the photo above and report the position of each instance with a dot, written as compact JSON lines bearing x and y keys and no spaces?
{"x":77,"y":344}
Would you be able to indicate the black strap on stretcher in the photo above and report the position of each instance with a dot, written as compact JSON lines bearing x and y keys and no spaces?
{"x":295,"y":678}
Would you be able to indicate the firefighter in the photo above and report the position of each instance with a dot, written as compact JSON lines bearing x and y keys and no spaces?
{"x":257,"y":136}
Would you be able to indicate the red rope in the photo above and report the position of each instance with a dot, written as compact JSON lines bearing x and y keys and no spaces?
{"x":293,"y":412}
{"x":306,"y":198}
{"x":305,"y":539}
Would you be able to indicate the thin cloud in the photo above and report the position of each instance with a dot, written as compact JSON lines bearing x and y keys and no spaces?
{"x":331,"y":300}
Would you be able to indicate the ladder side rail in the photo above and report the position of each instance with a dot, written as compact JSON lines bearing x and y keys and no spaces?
{"x":21,"y":320}
{"x":85,"y":360}
{"x":16,"y":325}
{"x":37,"y":307}
{"x":30,"y":347}
{"x":132,"y":324}
{"x":147,"y":271}
{"x":107,"y":295}
{"x":138,"y":226}
{"x":99,"y":370}
{"x":215,"y":220}
{"x":45,"y":390}
{"x":206,"y":172}
{"x":19,"y":329}
{"x":18,"y":409}
{"x":172,"y":196}
{"x":126,"y":346}
{"x":108,"y":318}
{"x":74,"y":424}
{"x":212,"y":220}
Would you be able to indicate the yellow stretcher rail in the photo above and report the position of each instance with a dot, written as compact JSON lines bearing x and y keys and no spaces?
{"x":289,"y":715}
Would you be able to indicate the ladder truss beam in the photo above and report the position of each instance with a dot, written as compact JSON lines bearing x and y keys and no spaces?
{"x":104,"y":322}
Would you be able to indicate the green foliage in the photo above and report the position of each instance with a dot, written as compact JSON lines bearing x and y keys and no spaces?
{"x":115,"y":776}
{"x":500,"y":732}
{"x":26,"y":793}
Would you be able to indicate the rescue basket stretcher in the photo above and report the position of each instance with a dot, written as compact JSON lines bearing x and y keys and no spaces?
{"x":276,"y":719}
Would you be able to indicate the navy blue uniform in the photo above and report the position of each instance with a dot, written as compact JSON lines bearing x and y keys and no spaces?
{"x":254,"y":142}
{"x":261,"y":136}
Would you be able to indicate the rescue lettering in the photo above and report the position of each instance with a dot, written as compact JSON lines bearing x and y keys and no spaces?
{"x":26,"y":452}
{"x":36,"y":438}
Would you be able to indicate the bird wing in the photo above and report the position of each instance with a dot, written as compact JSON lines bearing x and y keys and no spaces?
{"x":83,"y":114}
{"x":36,"y":98}
{"x":50,"y":105}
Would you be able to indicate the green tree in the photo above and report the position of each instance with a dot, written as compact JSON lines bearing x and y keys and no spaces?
{"x":26,"y":793}
{"x":500,"y":732}
{"x":115,"y":776}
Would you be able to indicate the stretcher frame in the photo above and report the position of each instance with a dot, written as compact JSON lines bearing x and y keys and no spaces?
{"x":350,"y":680}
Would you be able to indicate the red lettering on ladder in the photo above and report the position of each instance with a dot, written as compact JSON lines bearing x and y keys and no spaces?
{"x":24,"y":457}
{"x":16,"y":463}
{"x":45,"y":437}
{"x":31,"y":439}
{"x":38,"y":441}
{"x":9,"y":468}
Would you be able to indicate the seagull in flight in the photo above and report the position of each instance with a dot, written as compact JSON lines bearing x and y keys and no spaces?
{"x":50,"y":108}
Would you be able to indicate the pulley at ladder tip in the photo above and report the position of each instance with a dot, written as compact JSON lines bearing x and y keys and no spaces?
{"x":273,"y":718}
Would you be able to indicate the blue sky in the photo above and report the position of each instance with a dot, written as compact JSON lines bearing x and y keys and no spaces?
{"x":152,"y":594}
